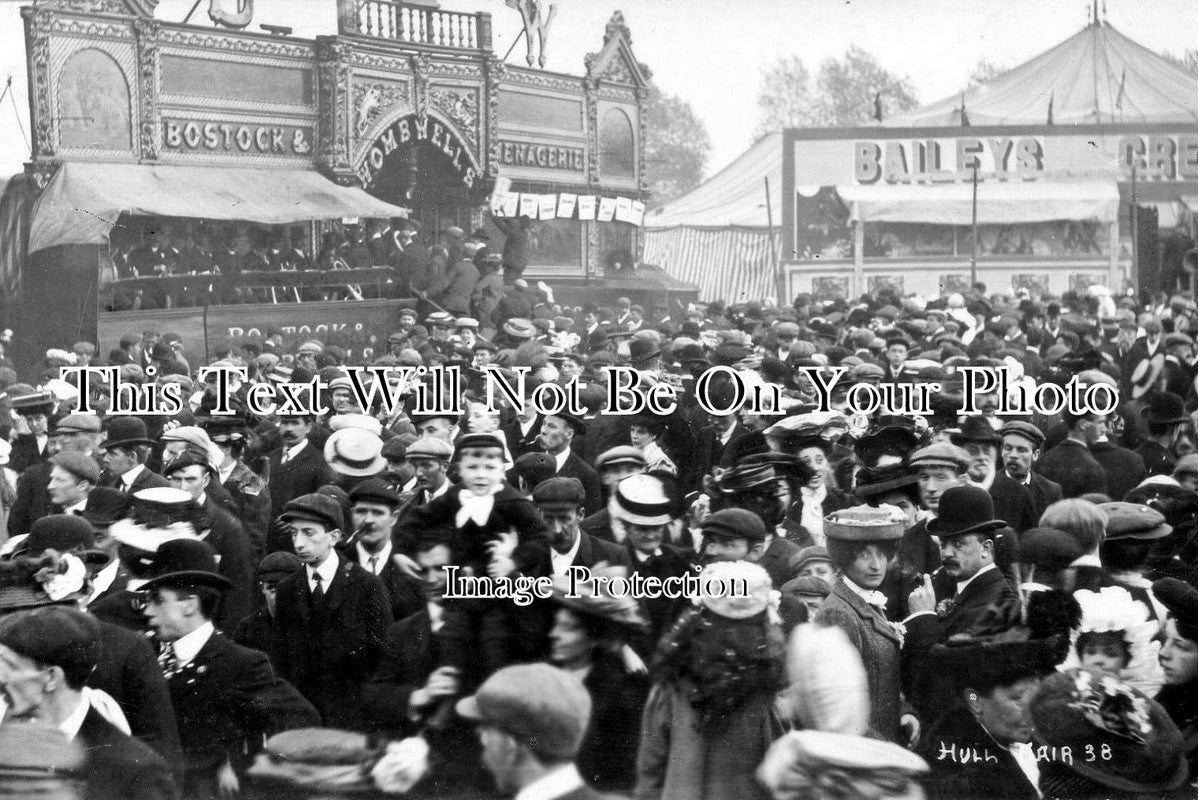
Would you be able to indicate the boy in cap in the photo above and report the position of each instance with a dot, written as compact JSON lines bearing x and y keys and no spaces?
{"x":496,"y":532}
{"x":333,"y":614}
{"x":225,"y":696}
{"x":46,"y":657}
{"x":260,"y":630}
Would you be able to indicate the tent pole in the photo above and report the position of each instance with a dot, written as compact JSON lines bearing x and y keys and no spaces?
{"x":1135,"y":231}
{"x":779,"y":283}
{"x":973,"y":257}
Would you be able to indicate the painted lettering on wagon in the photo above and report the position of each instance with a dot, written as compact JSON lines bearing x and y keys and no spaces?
{"x":523,"y":154}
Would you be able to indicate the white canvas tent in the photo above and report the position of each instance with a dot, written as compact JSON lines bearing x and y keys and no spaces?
{"x":718,"y":235}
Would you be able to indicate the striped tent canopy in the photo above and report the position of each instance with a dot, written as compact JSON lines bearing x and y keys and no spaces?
{"x":718,"y":236}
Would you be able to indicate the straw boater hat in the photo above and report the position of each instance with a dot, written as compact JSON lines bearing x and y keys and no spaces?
{"x":641,"y":500}
{"x":866,"y":524}
{"x":355,"y":452}
{"x":1145,"y":374}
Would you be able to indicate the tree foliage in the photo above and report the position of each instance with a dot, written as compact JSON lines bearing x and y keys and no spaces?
{"x":985,"y":71}
{"x":842,"y":92}
{"x":676,"y":147}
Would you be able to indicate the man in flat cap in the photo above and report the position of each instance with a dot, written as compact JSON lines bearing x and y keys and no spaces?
{"x":374,"y":512}
{"x":78,"y":433}
{"x":1012,"y":502}
{"x":72,"y":477}
{"x":46,"y":656}
{"x":1021,"y":446}
{"x":532,"y":719}
{"x":333,"y":614}
{"x":429,"y":457}
{"x":192,"y":472}
{"x":560,"y":502}
{"x":558,"y":433}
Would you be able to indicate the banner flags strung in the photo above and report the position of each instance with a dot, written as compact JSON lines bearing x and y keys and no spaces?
{"x":564,"y":204}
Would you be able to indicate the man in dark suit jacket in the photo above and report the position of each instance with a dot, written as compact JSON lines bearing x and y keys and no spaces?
{"x":409,"y":692}
{"x":521,"y":431}
{"x":558,"y":432}
{"x":374,"y":512}
{"x":559,"y":502}
{"x":1022,"y":443}
{"x":961,"y":592}
{"x":295,"y":469}
{"x":125,"y":452}
{"x":66,"y":641}
{"x":538,"y":716}
{"x":226,"y":697}
{"x":1012,"y":502}
{"x":333,"y":615}
{"x":1070,"y":463}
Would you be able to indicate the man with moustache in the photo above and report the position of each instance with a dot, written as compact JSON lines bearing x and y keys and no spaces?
{"x":1021,"y":446}
{"x":297,"y":468}
{"x":1012,"y":502}
{"x":560,"y":502}
{"x":429,"y":457}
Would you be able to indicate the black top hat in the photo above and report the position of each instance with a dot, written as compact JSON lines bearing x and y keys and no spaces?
{"x":976,"y":429}
{"x":964,"y":509}
{"x":185,"y":562}
{"x":1165,"y":408}
{"x":127,"y":432}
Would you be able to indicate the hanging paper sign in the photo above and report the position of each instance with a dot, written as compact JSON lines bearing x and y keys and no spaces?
{"x":502,"y":187}
{"x":565,"y":205}
{"x":530,"y":205}
{"x":638,"y":213}
{"x":511,"y":205}
{"x":624,"y":209}
{"x":586,"y":206}
{"x":548,"y":206}
{"x":607,"y":209}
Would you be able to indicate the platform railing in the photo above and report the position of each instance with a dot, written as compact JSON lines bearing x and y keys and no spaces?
{"x":416,"y":24}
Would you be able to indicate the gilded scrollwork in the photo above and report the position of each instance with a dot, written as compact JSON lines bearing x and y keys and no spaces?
{"x":148,"y":62}
{"x":421,"y":64}
{"x":333,"y":82}
{"x":235,"y":44}
{"x":371,"y":99}
{"x":460,"y":105}
{"x":37,"y":26}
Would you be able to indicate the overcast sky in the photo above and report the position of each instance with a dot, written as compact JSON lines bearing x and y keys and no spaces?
{"x":712,"y":52}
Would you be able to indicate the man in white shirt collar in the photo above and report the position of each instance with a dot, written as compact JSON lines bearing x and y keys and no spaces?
{"x":429,"y":456}
{"x":125,"y":451}
{"x":560,"y":501}
{"x":532,"y":719}
{"x":557,"y":433}
{"x":72,"y":477}
{"x":373,"y":514}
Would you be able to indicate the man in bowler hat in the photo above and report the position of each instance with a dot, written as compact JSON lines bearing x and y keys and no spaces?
{"x":226,"y":697}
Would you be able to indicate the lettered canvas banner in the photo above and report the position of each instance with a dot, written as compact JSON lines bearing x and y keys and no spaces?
{"x":548,"y":206}
{"x":530,"y":205}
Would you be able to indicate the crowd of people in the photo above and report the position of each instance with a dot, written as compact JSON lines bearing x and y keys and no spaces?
{"x":956,"y":607}
{"x":201,"y":264}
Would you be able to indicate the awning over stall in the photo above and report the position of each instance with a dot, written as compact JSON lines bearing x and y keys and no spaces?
{"x":999,"y":203}
{"x":83,"y":201}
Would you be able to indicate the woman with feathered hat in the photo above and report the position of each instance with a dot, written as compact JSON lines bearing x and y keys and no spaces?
{"x":709,"y":719}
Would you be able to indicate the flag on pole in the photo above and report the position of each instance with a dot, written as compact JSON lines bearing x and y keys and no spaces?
{"x":1122,"y":86}
{"x":1051,"y":97}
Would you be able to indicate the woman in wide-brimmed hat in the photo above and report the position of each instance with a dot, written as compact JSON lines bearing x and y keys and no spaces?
{"x":590,"y":630}
{"x":1179,"y":660}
